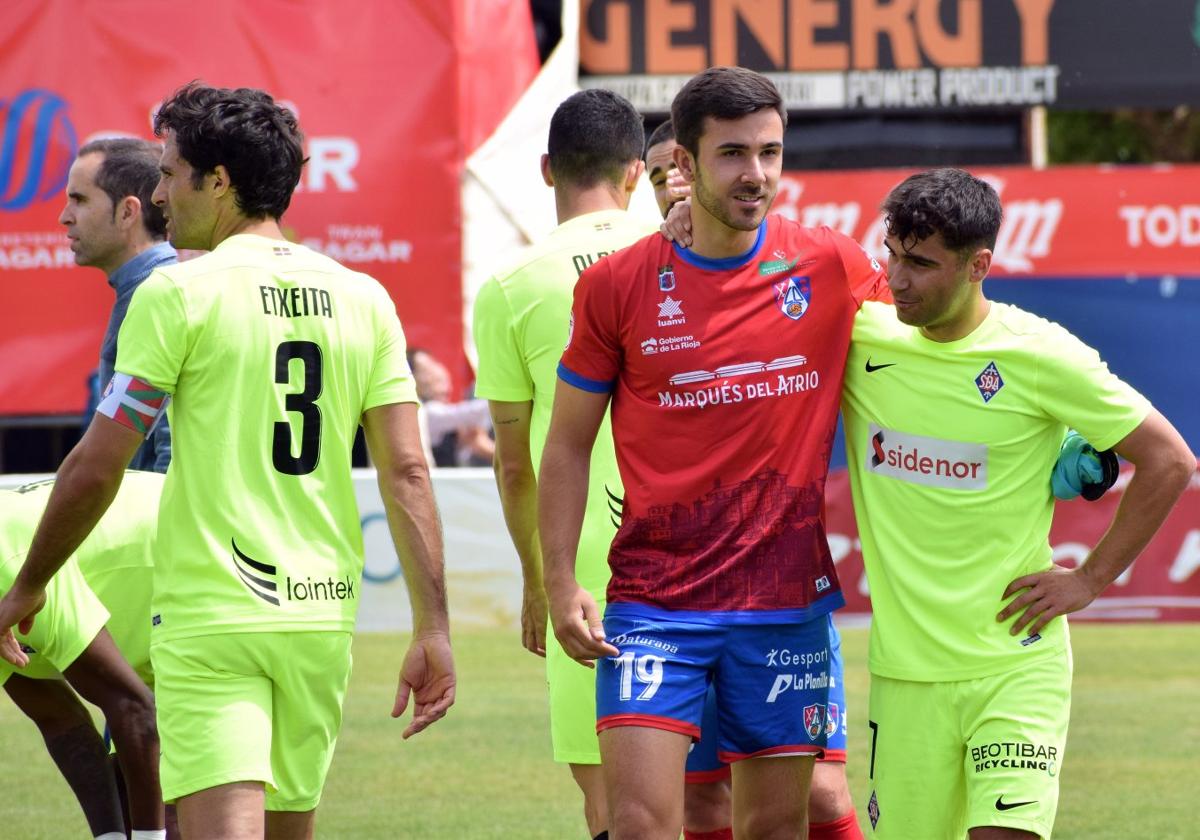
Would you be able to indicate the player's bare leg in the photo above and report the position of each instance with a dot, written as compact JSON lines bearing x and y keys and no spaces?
{"x":643,"y":776}
{"x":995,"y":832}
{"x":590,"y":779}
{"x":707,"y":807}
{"x":291,"y":825}
{"x":770,"y":797}
{"x":225,"y":812}
{"x":830,"y":806}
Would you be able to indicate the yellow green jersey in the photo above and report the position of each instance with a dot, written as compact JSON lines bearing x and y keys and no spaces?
{"x":107,"y":582}
{"x":950,"y":449}
{"x":522,"y":317}
{"x":271,"y":353}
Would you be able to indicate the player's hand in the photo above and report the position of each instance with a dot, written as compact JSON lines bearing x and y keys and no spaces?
{"x":533,"y":619}
{"x":677,"y":227}
{"x":428,"y":676}
{"x":1047,"y":595}
{"x":578,"y":625}
{"x":678,"y":187}
{"x":17,"y":608}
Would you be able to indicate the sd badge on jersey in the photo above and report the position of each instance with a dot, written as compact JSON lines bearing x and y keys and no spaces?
{"x":794,"y":296}
{"x":666,"y":278}
{"x":989,"y":382}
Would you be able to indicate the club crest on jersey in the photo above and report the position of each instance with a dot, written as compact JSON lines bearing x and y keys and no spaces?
{"x":814,"y":720}
{"x":666,"y":278}
{"x":989,"y":382}
{"x":794,"y":296}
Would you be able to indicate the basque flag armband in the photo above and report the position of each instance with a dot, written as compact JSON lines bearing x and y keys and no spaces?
{"x":133,"y":402}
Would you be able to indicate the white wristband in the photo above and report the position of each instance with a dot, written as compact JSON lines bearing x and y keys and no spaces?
{"x":148,"y":834}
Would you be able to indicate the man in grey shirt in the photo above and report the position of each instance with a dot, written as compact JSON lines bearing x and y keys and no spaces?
{"x":113,"y":226}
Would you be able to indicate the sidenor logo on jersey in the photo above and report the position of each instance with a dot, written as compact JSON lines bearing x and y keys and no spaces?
{"x":932,"y":462}
{"x":262,"y":580}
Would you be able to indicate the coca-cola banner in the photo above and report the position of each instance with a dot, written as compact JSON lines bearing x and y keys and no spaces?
{"x":903,"y":55}
{"x":1162,"y":584}
{"x":1071,"y":221}
{"x":380,"y":91}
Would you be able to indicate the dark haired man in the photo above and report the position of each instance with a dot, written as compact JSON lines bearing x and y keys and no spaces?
{"x":521,"y":324}
{"x":113,"y":225}
{"x":707,"y":799}
{"x":724,"y":364}
{"x":273,"y":355}
{"x":955,"y":407}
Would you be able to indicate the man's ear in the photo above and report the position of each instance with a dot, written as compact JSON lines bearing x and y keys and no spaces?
{"x":220,"y":183}
{"x":547,"y":175}
{"x":684,"y":162}
{"x":633,"y":174}
{"x":981,"y":264}
{"x":128,"y":212}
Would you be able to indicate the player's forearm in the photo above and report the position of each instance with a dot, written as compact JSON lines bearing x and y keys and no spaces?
{"x":82,"y":493}
{"x":518,"y":499}
{"x":417,"y":534}
{"x":562,"y":498}
{"x":1154,"y":489}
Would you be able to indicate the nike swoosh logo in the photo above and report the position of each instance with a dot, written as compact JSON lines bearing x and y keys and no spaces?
{"x":1001,"y":805}
{"x":872,"y":368}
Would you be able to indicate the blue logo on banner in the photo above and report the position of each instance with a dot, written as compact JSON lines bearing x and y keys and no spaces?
{"x":36,"y":148}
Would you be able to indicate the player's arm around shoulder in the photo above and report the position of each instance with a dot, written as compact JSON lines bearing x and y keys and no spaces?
{"x":428,"y":671}
{"x":1163,"y":466}
{"x":562,"y":498}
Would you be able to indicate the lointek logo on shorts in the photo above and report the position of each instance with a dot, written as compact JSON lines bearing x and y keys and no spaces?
{"x":933,"y":462}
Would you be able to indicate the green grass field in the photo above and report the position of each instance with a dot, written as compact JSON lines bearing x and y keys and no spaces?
{"x":485,"y":772}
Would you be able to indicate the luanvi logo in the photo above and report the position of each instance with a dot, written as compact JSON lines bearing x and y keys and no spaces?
{"x":251,"y":572}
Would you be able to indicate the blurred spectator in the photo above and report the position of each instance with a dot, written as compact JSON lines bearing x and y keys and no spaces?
{"x":113,"y":226}
{"x":458,"y":434}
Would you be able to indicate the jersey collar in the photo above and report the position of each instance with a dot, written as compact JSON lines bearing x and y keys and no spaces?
{"x":724,"y":263}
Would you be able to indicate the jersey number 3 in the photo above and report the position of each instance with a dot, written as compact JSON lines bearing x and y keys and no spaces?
{"x":304,"y":404}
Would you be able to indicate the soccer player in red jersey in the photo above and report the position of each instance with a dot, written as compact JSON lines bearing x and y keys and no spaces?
{"x":723,"y":363}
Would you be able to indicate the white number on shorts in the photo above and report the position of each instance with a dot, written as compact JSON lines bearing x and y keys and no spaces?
{"x":649,"y":670}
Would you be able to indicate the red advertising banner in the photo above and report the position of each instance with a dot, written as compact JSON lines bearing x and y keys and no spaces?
{"x":1072,"y":221}
{"x":1163,"y":584}
{"x":378,"y":90}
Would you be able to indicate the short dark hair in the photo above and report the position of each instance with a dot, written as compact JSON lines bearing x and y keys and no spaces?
{"x":664,"y":133}
{"x":130,"y":167}
{"x":964,"y":209}
{"x":723,"y":93}
{"x":594,"y":135}
{"x":257,"y":141}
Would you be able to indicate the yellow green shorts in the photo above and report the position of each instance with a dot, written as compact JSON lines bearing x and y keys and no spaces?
{"x":66,"y":625}
{"x":572,"y":705}
{"x":946,"y":757}
{"x":245,"y":707}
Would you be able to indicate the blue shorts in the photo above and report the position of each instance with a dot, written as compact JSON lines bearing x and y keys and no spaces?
{"x":703,"y":764}
{"x":771,"y":680}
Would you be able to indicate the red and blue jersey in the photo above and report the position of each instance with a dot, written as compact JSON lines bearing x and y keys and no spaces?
{"x":725,"y":377}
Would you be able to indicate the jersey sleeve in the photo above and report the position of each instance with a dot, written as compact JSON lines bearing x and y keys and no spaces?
{"x":502,"y":373}
{"x":593,"y":353}
{"x":153,"y":340}
{"x":391,"y":377}
{"x":865,"y":277}
{"x":1076,"y":388}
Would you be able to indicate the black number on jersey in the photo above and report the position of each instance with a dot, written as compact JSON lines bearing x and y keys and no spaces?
{"x":304,"y":404}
